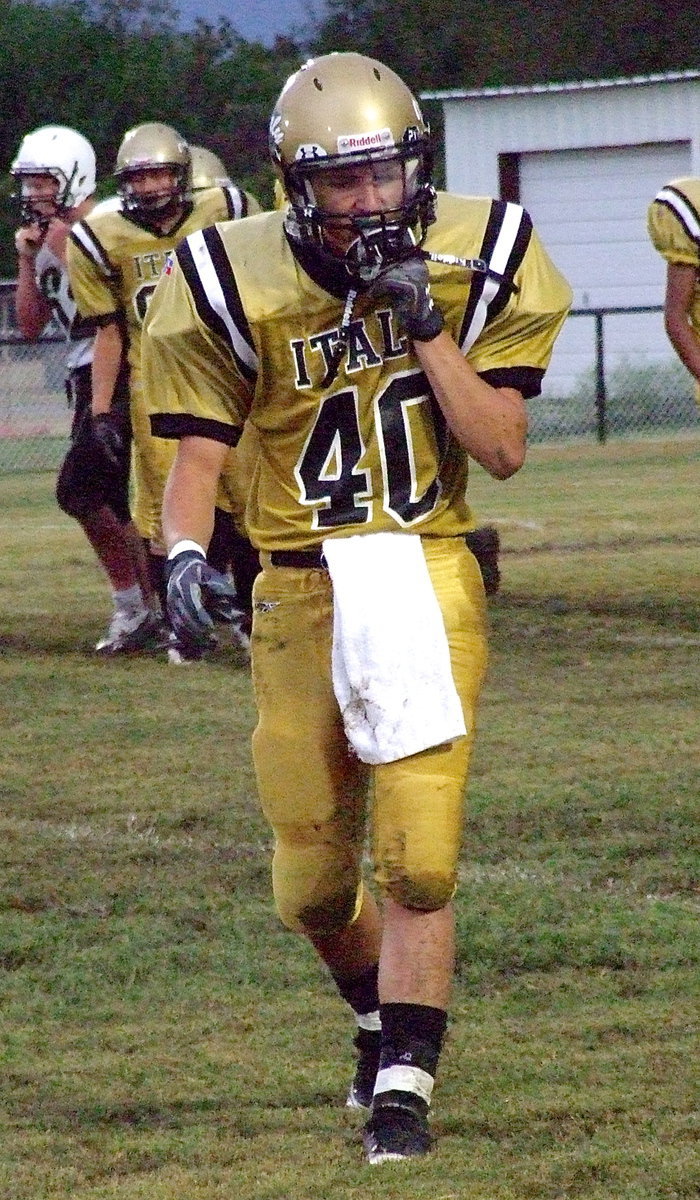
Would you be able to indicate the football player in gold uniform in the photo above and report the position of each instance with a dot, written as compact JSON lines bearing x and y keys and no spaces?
{"x":674,"y":228}
{"x":228,"y":548}
{"x":483,"y":541}
{"x":115,"y":259}
{"x":377,"y":336}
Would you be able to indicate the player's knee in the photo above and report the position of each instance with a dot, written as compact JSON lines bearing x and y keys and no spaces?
{"x":74,"y":503}
{"x":321,"y":916}
{"x":315,"y":902}
{"x":427,"y":892}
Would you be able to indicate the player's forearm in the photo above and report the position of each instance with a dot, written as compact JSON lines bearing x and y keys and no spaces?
{"x":685,"y":342}
{"x":106,"y":365}
{"x":190,"y":493}
{"x":681,"y":284}
{"x":489,"y":423}
{"x":32,"y":310}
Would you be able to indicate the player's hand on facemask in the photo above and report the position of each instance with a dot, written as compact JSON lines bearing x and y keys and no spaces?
{"x":198,"y":596}
{"x":407,"y":285}
{"x":28,"y":240}
{"x":111,"y":437}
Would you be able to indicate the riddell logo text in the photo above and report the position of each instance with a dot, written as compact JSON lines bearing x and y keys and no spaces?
{"x":349,"y":142}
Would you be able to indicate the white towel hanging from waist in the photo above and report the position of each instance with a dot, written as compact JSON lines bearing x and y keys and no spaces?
{"x":392,"y":674}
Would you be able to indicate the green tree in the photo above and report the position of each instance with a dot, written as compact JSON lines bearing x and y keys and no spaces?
{"x":459,"y":43}
{"x":102,"y":67}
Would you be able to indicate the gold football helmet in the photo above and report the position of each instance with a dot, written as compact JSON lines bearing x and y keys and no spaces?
{"x":145,"y":148}
{"x":208,"y":171}
{"x":343,"y":109}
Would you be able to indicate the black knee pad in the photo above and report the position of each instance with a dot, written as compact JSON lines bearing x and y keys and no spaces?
{"x":72,"y":502}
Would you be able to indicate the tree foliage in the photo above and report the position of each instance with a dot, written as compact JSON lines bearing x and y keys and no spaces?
{"x":102,"y":66}
{"x":462,"y":43}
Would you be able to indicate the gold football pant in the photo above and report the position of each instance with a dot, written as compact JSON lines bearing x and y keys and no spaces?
{"x":314,"y":791}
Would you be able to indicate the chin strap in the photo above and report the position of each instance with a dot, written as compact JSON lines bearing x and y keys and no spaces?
{"x":478,"y":266}
{"x":341,"y":345}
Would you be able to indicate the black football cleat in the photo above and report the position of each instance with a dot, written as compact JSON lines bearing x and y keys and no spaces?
{"x":368,"y":1044}
{"x":395,"y":1132}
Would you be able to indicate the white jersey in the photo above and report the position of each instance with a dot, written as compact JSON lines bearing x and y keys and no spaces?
{"x":54,"y":285}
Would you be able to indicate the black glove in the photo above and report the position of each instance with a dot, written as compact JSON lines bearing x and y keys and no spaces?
{"x":197,"y":597}
{"x":407,"y":285}
{"x":110,"y":436}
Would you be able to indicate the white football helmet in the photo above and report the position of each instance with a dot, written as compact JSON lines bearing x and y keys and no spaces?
{"x":63,"y":153}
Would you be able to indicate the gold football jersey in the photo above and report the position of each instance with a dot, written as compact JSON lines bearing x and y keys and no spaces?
{"x":674,"y":228}
{"x":115,"y":263}
{"x":239,"y":329}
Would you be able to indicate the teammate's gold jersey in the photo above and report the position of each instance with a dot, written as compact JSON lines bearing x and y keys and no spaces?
{"x":674,"y":228}
{"x":114,"y":262}
{"x":238,"y":328}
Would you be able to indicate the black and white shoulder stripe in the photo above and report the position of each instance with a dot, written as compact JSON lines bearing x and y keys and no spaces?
{"x":87,"y":240}
{"x":236,"y":202}
{"x":211,"y":280}
{"x":680,"y":205}
{"x":505,"y":241}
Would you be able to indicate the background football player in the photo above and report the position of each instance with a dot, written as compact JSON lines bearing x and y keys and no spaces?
{"x":674,"y":228}
{"x":115,"y":259}
{"x":377,"y":336}
{"x":209,"y":171}
{"x":55,"y":173}
{"x":229,"y":549}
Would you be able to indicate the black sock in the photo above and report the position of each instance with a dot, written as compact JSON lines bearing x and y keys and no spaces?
{"x":156,"y":574}
{"x":361,"y":992}
{"x":412,"y":1037}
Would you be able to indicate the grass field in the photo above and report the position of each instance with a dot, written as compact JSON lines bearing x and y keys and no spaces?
{"x":161,"y":1036}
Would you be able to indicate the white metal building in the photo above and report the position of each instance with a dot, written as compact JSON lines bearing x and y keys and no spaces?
{"x":585,"y":159}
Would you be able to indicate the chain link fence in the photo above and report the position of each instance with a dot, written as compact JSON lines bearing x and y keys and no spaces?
{"x":35,"y":417}
{"x":613,"y":373}
{"x":613,"y":395}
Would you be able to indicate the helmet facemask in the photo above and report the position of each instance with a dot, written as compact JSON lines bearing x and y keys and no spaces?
{"x":153,"y":205}
{"x":344,"y":111}
{"x":66,"y":156}
{"x":153,"y":146}
{"x":36,"y":209}
{"x":380,"y":235}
